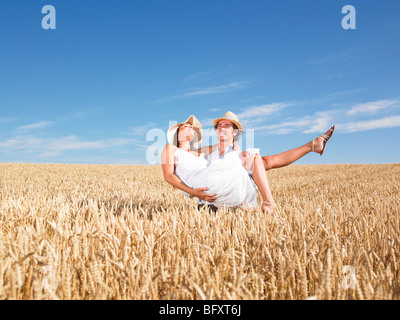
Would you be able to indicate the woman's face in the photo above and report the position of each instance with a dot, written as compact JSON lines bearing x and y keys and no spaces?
{"x":186,"y":132}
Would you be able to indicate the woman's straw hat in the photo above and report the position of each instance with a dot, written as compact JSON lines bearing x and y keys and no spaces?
{"x":230,"y":116}
{"x":172,"y":132}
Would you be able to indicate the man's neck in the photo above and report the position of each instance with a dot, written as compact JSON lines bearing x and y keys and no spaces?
{"x":223,"y":145}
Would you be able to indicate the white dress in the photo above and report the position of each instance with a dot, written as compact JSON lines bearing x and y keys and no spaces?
{"x":225,"y":177}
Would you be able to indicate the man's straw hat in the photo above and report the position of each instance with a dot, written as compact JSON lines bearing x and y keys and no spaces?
{"x":172,"y":132}
{"x":230,"y":116}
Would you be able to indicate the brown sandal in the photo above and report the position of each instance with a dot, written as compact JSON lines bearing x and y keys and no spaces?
{"x":326,"y":139}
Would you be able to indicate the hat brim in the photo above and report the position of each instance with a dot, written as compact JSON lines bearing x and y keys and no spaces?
{"x":237,"y":123}
{"x":171,"y":134}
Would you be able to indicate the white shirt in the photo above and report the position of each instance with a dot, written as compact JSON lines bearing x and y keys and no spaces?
{"x":215,"y":154}
{"x":212,"y":156}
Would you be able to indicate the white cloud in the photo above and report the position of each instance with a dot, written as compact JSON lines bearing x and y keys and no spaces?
{"x":252,"y":116}
{"x":255,"y":112}
{"x":342,"y":56}
{"x":317,"y":123}
{"x":371,"y":107}
{"x":45,"y":147}
{"x":284,"y":130}
{"x":141,"y":130}
{"x":281,"y":127}
{"x":37,"y":125}
{"x":18,"y":143}
{"x":209,"y":90}
{"x":216,"y":89}
{"x":320,"y":122}
{"x":73,"y":143}
{"x":256,"y":116}
{"x":333,"y":76}
{"x":387,"y":122}
{"x":6,"y":119}
{"x":285,"y":127}
{"x":195,"y":76}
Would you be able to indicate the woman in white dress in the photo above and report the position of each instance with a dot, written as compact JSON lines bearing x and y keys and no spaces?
{"x":226,"y":180}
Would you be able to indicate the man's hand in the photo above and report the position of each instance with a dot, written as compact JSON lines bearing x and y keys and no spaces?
{"x":247,"y":160}
{"x":199,"y":193}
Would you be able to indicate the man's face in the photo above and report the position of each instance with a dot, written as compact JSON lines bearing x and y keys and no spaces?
{"x":225,"y":131}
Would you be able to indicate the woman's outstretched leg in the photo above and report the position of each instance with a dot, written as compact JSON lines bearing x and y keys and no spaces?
{"x":261,"y":180}
{"x":288,"y":157}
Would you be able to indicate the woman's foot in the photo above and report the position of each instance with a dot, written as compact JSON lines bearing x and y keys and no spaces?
{"x":319,"y":143}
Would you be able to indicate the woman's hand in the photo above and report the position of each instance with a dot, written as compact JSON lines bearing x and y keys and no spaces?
{"x":267,"y":208}
{"x":199,"y":193}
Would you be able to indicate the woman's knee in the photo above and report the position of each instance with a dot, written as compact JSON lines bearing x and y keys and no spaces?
{"x":258,"y":162}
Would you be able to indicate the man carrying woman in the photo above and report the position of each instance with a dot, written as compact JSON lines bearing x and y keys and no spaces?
{"x":232,"y":178}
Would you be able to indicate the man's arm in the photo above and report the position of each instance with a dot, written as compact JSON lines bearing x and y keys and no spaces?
{"x":207,"y":150}
{"x":167,"y":164}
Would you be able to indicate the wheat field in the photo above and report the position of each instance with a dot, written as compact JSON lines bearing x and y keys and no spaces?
{"x":121,"y":232}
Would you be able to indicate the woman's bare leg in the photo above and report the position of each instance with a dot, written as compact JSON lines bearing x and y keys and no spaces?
{"x":261,"y":180}
{"x":288,"y":157}
{"x":285,"y":158}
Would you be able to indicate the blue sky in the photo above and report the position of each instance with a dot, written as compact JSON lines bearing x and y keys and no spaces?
{"x":113,"y":73}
